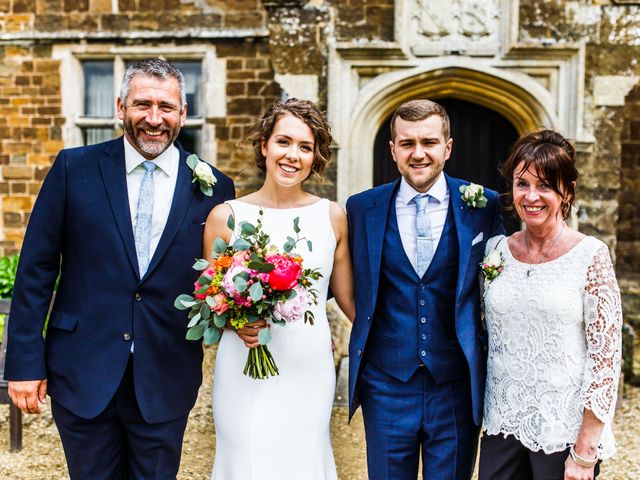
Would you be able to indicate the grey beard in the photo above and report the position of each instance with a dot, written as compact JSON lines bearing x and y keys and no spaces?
{"x":151,"y":148}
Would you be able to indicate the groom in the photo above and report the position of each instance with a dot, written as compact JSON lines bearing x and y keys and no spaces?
{"x":417,"y":356}
{"x":122,"y":222}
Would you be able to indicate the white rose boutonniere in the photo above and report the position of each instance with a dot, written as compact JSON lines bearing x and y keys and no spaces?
{"x":202,"y":174}
{"x":492,"y":265}
{"x":473,"y":195}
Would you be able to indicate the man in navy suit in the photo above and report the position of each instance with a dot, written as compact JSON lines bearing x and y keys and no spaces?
{"x":122,"y":222}
{"x":417,"y":350}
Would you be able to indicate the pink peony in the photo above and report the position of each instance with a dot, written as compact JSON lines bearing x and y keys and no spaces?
{"x":292,"y":310}
{"x":227,"y":281}
{"x":286,"y":273}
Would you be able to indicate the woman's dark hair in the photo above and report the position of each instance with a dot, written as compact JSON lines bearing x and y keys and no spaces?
{"x":310,"y":115}
{"x":553,"y":158}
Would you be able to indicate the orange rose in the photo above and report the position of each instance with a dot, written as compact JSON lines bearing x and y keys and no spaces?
{"x":223,"y":262}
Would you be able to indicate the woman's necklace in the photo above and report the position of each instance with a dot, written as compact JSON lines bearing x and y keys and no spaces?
{"x":545,"y":253}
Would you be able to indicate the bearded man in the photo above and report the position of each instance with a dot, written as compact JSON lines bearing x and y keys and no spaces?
{"x":122,"y":222}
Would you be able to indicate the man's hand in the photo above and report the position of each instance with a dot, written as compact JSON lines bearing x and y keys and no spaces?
{"x":249,"y":333}
{"x":28,"y":395}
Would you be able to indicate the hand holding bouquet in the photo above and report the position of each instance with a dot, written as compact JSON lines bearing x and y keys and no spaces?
{"x":247,"y":281}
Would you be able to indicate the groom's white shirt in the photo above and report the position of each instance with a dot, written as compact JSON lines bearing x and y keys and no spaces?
{"x":164,"y":184}
{"x":406,"y":214}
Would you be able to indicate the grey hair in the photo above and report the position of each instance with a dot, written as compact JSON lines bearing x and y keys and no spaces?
{"x":153,"y":67}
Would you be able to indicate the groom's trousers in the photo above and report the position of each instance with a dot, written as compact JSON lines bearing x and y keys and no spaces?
{"x":403,"y":419}
{"x":118,"y":444}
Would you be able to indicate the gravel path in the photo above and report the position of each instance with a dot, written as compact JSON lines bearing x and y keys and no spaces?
{"x":42,"y":457}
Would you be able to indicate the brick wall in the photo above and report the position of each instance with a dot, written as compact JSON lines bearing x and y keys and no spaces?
{"x":30,"y":133}
{"x":250,"y":89}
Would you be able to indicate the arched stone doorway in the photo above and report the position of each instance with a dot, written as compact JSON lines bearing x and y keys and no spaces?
{"x":481,"y":142}
{"x":521,"y":101}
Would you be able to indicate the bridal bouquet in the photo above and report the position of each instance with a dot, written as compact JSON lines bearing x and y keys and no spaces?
{"x":248,"y":280}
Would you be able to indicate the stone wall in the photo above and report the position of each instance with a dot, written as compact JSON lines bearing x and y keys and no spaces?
{"x":30,"y":133}
{"x":628,"y":234}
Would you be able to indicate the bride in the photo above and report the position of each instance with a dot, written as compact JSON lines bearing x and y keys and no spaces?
{"x":278,"y":428}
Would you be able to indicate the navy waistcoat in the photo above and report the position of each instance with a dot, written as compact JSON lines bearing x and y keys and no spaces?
{"x":414,"y":319}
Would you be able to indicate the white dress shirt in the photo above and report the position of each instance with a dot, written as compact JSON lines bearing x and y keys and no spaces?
{"x":164,"y":184}
{"x":406,"y":214}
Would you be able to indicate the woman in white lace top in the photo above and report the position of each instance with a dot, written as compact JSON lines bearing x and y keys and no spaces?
{"x":554,"y":320}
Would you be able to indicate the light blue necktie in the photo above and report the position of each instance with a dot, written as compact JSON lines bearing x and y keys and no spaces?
{"x":142,"y":233}
{"x":424,"y":239}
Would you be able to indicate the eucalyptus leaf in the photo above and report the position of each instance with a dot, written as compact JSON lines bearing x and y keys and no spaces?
{"x":219,"y":245}
{"x":200,"y":264}
{"x":240,"y":283}
{"x":296,"y":224}
{"x":262,"y":267}
{"x":210,"y":301}
{"x":231,"y":222}
{"x":204,"y":280}
{"x":241,"y":244}
{"x":196,"y":332}
{"x":192,"y":161}
{"x":264,"y":336}
{"x":206,"y":189}
{"x":310,"y":245}
{"x":184,"y":301}
{"x":212,"y":335}
{"x":248,"y":229}
{"x":251,"y":317}
{"x":203,"y":289}
{"x":194,"y":321}
{"x":255,"y":291}
{"x":219,"y":320}
{"x":482,"y":202}
{"x":291,"y":294}
{"x":205,"y":311}
{"x":288,"y":246}
{"x":244,"y":275}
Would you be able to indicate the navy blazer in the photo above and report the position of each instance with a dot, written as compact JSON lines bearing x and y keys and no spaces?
{"x":81,"y":226}
{"x":367,"y":215}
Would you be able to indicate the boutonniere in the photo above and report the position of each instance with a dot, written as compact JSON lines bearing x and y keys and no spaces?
{"x":492,"y":265}
{"x":473,"y":195}
{"x":202,"y":174}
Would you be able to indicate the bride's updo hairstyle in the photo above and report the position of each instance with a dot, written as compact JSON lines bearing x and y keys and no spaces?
{"x":310,"y":115}
{"x":553,"y":158}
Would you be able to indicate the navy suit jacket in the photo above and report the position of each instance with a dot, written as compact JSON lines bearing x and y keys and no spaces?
{"x":81,"y":226}
{"x":367,"y":215}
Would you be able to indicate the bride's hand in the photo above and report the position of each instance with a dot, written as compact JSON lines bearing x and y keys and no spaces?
{"x":249,"y":333}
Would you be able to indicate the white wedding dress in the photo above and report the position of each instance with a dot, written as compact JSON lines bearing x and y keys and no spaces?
{"x":278,"y":428}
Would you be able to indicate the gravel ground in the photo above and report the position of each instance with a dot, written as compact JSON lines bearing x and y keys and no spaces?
{"x":42,"y":457}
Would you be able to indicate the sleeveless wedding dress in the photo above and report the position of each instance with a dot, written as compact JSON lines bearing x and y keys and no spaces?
{"x":278,"y":428}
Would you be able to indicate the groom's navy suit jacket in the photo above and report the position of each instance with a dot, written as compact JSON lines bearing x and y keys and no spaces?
{"x":368,"y":214}
{"x":81,"y":225}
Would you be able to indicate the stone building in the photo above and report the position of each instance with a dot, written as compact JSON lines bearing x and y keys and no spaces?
{"x":502,"y":67}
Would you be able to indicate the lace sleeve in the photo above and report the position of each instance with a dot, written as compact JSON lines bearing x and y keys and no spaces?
{"x":603,"y":328}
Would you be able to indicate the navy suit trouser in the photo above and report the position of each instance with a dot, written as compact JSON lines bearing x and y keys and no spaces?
{"x":402,"y":419}
{"x":119,"y":444}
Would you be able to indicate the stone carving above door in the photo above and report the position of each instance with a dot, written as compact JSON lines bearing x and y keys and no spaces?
{"x":465,"y":27}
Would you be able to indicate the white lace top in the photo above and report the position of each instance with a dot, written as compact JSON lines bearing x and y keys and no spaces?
{"x":554,"y":346}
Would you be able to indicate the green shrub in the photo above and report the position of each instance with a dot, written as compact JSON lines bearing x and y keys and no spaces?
{"x":8,"y":267}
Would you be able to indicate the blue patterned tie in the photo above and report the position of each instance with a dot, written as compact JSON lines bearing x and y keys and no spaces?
{"x":142,"y":233}
{"x":424,"y":239}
